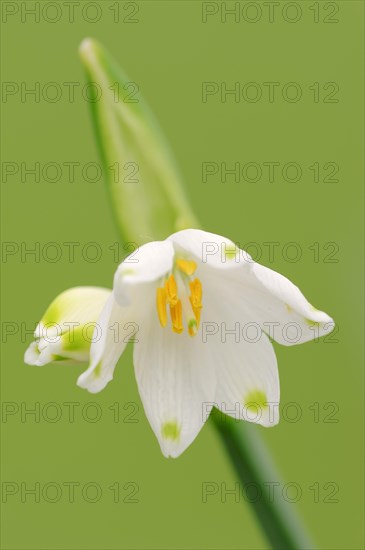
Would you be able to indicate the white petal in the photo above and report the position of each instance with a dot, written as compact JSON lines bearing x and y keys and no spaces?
{"x":281,"y":308}
{"x":147,"y":264}
{"x":210,"y":249}
{"x":248,"y":382}
{"x":112,"y":332}
{"x":247,"y":374}
{"x":270,"y":299}
{"x":288,"y":303}
{"x":176,"y":381}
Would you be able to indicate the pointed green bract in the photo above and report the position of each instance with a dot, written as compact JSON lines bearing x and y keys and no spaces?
{"x":144,"y":186}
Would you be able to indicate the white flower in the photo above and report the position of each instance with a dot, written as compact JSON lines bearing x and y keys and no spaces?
{"x":67,"y":328}
{"x":185,"y":294}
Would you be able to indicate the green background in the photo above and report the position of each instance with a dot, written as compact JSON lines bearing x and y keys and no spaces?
{"x":169,"y":53}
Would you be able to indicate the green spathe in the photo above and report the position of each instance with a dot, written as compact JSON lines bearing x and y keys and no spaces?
{"x":131,"y":143}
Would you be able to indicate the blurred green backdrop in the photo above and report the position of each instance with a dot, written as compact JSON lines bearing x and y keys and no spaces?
{"x":170,"y":51}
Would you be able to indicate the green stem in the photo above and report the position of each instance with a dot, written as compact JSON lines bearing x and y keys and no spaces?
{"x":252,"y":464}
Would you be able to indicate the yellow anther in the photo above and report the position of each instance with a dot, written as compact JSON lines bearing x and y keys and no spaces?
{"x":195,"y":298}
{"x":186,"y":266}
{"x":196,"y":290}
{"x":171,"y":291}
{"x":176,"y":317}
{"x":161,"y":306}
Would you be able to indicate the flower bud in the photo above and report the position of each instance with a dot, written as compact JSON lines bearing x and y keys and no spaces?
{"x":67,"y":328}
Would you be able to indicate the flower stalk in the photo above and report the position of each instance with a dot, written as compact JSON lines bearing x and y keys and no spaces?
{"x":254,"y":467}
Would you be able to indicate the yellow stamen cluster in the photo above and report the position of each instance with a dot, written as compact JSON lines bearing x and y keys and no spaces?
{"x":168,"y":295}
